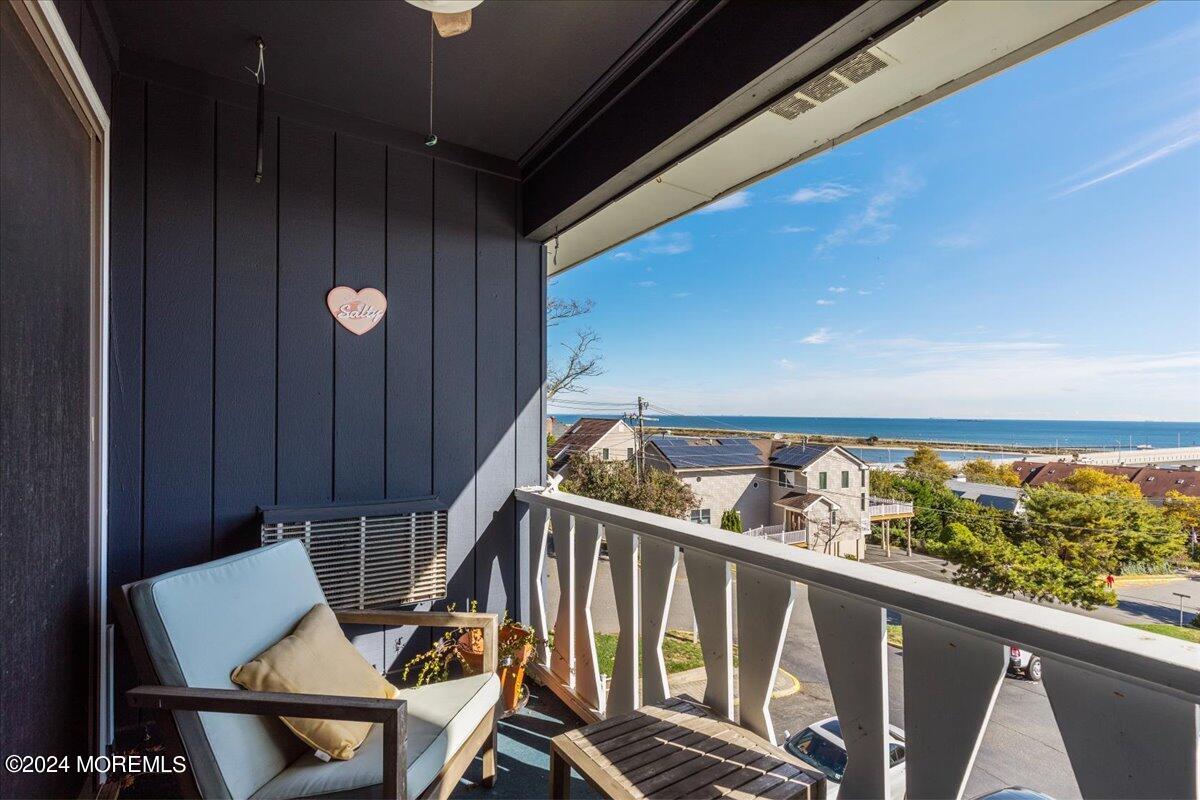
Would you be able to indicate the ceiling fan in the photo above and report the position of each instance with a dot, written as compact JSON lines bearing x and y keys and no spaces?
{"x":451,"y":17}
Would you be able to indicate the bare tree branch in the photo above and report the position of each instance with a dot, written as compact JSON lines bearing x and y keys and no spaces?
{"x":560,"y":308}
{"x":582,"y":362}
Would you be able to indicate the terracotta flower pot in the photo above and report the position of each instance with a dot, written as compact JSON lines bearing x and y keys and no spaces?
{"x":511,"y":671}
{"x":470,"y":647}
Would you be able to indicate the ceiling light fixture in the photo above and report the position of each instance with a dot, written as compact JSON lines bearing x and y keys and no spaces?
{"x":451,"y":17}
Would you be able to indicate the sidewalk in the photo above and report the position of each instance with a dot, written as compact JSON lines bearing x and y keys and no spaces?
{"x":694,"y":681}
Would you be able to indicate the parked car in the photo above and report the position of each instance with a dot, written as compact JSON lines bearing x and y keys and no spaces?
{"x":1015,"y":793}
{"x":1023,"y":662}
{"x":820,"y":745}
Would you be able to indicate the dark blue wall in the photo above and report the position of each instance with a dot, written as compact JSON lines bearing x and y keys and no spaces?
{"x":91,"y":32}
{"x":232,"y":386}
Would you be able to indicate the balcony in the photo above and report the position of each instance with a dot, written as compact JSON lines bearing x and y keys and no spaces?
{"x":1123,"y":701}
{"x":885,"y":509}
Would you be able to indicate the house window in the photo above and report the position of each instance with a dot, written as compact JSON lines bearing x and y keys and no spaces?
{"x":1149,"y":478}
{"x":787,"y":478}
{"x":845,"y":479}
{"x":629,"y":454}
{"x":756,"y":484}
{"x":604,"y":454}
{"x":702,"y":516}
{"x":823,"y":480}
{"x":864,"y":502}
{"x":833,"y":517}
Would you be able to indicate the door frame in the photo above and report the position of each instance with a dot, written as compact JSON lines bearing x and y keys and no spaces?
{"x":45,"y":28}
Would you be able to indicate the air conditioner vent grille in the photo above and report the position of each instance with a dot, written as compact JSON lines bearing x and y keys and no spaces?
{"x":791,"y":107}
{"x":364,"y":560}
{"x":823,"y":87}
{"x":860,"y":66}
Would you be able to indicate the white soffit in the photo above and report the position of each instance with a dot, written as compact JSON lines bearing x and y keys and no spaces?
{"x":949,"y":48}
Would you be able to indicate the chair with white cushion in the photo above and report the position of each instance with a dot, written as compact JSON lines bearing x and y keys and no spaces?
{"x":190,"y":628}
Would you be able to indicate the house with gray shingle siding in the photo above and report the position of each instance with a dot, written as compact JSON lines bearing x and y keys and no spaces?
{"x":822,"y":491}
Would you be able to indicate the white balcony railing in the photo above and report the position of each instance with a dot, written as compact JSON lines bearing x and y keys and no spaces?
{"x":1125,"y":701}
{"x":881,"y":507}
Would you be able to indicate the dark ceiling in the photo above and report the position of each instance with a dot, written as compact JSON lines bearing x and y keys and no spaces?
{"x":498,"y":88}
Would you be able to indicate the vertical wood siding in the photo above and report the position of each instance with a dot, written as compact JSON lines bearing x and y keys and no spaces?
{"x":233,"y":387}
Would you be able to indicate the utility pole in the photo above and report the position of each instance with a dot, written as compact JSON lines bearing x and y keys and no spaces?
{"x":639,"y":457}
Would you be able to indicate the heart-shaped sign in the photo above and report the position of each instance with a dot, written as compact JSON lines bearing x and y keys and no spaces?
{"x":357,"y":311}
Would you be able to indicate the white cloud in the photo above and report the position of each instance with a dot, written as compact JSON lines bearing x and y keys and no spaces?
{"x":837,"y":289}
{"x":666,"y":244}
{"x":680,"y":295}
{"x":728,"y":203}
{"x":796,"y":229}
{"x":819,"y":336}
{"x":872,"y":225}
{"x":956,"y":241}
{"x":624,"y":255}
{"x":864,"y":291}
{"x":824,"y":302}
{"x":915,"y":346}
{"x":646,"y":284}
{"x":827,"y":192}
{"x":785,"y":364}
{"x":1166,"y":140}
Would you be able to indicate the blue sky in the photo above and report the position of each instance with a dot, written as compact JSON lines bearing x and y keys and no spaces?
{"x":1026,"y":248}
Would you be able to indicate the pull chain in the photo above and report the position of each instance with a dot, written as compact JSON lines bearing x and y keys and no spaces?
{"x":432,"y":139}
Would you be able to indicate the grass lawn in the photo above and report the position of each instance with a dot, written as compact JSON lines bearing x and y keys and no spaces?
{"x":680,"y":651}
{"x":895,"y":635}
{"x":1164,"y":629}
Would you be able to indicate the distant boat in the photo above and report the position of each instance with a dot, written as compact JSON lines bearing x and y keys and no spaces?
{"x":1145,"y":447}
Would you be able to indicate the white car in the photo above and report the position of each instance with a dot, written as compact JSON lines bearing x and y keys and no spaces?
{"x":1023,"y":662}
{"x":820,"y":745}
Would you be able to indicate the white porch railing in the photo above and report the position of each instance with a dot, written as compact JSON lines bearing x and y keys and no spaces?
{"x":778,"y":533}
{"x":1124,"y":700}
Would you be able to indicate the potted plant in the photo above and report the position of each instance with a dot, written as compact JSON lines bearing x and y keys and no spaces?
{"x":465,"y":645}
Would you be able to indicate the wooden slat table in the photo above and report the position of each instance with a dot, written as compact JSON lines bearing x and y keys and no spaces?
{"x":678,"y":749}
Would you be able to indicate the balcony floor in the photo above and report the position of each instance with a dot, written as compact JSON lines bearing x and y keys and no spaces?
{"x":524,"y":762}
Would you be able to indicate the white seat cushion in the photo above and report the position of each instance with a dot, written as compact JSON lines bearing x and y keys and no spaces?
{"x":440,"y":719}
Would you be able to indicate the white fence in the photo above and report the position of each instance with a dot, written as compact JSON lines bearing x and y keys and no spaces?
{"x":1124,"y":700}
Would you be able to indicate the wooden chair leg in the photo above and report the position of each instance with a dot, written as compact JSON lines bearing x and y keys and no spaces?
{"x":489,"y":758}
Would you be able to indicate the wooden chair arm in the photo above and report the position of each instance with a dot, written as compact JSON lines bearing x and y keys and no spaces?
{"x":489,"y":623}
{"x":391,"y":713}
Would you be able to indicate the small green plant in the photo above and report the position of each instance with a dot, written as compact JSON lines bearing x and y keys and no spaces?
{"x":1147,"y":568}
{"x":731,"y":520}
{"x":433,"y":665}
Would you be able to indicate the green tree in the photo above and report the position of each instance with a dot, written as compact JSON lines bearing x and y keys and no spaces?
{"x":988,"y":559}
{"x":980,"y":470}
{"x":926,"y":463}
{"x":731,"y":520}
{"x":1100,"y":533}
{"x":658,"y":492}
{"x":1186,"y":511}
{"x":1094,"y":483}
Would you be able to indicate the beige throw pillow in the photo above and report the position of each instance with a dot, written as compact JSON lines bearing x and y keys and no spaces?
{"x":317,"y":658}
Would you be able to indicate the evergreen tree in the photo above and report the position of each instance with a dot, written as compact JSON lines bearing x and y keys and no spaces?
{"x":731,"y":520}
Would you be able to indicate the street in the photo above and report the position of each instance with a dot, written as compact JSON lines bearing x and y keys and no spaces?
{"x":1021,"y":745}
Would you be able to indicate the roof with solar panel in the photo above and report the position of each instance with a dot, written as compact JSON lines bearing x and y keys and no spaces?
{"x":701,"y":452}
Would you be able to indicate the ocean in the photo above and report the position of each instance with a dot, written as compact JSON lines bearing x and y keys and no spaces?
{"x":1014,"y":433}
